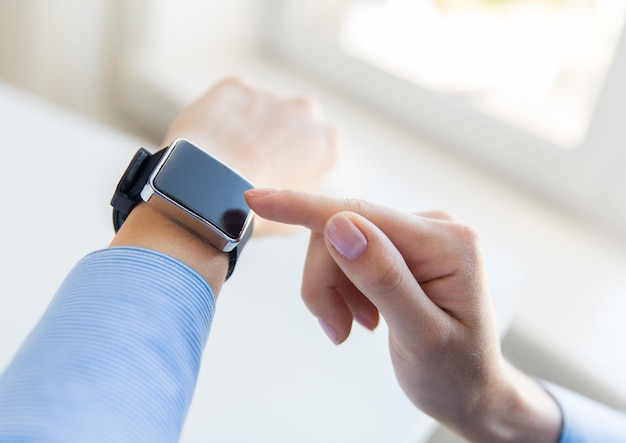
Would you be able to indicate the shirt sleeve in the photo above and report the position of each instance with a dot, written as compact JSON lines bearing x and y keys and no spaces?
{"x":585,"y":420}
{"x":114,"y":358}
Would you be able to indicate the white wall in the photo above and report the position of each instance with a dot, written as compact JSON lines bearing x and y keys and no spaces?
{"x":59,"y":49}
{"x":209,"y":29}
{"x":73,"y":51}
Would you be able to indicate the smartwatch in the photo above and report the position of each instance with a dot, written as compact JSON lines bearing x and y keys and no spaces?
{"x":194,"y":189}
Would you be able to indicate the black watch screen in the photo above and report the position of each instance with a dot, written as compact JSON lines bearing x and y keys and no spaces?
{"x":203,"y":185}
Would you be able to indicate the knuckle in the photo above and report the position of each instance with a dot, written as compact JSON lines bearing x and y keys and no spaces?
{"x":465,"y":235}
{"x":468,"y":243}
{"x":389,"y":280}
{"x":306,"y":102}
{"x":232,"y":80}
{"x":357,"y":205}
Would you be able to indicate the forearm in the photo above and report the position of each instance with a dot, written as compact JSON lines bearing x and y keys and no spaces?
{"x":147,"y":228}
{"x":116,"y":355}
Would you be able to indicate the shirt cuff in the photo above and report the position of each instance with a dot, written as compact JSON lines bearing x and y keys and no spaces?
{"x":585,"y":420}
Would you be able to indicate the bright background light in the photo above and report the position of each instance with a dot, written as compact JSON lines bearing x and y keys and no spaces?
{"x":536,"y":64}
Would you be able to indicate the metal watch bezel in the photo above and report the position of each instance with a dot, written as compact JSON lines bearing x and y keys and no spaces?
{"x":192,"y":221}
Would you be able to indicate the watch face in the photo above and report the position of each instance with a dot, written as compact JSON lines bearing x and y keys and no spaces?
{"x":205,"y":186}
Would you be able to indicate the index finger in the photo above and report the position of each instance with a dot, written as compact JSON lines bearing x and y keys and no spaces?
{"x":313,"y":210}
{"x":433,"y":248}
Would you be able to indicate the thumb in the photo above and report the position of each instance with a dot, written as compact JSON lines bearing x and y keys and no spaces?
{"x":376,"y":268}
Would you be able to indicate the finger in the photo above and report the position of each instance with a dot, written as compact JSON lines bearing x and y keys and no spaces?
{"x":320,"y":291}
{"x":330,"y":296}
{"x":443,"y":256}
{"x":436,"y":215}
{"x":233,"y":82}
{"x":308,"y":104}
{"x":405,"y":230}
{"x":231,"y":91}
{"x":372,"y":263}
{"x":363,"y":310}
{"x":311,"y":210}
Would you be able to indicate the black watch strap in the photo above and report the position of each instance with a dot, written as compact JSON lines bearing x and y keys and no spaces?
{"x":128,"y":192}
{"x":128,"y":195}
{"x":234,"y":254}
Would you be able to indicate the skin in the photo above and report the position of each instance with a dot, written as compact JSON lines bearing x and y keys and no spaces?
{"x":147,"y":228}
{"x":424,"y":274}
{"x":255,"y":132}
{"x":273,"y":142}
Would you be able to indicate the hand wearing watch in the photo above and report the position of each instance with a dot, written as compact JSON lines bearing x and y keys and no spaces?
{"x":192,"y":188}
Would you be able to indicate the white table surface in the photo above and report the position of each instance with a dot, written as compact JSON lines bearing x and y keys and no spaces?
{"x":268,"y":375}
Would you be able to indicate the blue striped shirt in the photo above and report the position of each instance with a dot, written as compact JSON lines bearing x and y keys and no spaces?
{"x":116,"y":356}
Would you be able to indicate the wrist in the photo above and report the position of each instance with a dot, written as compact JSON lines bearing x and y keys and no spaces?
{"x":515,"y":409}
{"x":148,"y":228}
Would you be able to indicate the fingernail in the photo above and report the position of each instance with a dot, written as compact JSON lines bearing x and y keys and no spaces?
{"x":329,"y":330}
{"x":346,"y":237}
{"x":260,"y":192}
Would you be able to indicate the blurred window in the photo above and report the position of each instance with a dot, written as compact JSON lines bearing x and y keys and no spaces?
{"x":537,"y":64}
{"x":533,"y":90}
